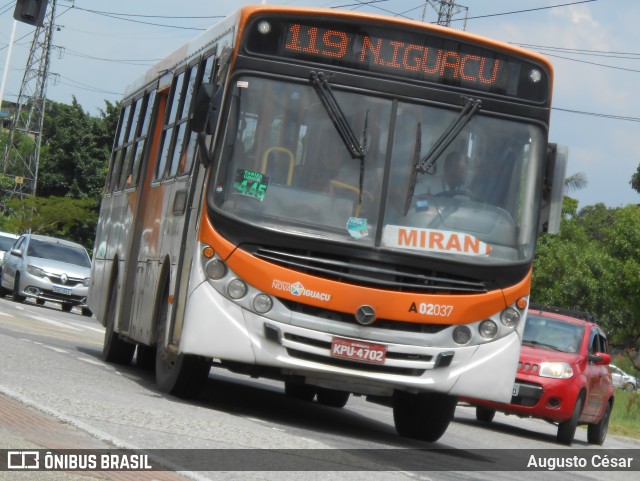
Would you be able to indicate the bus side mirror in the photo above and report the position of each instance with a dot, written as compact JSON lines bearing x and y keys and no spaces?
{"x":553,"y":188}
{"x":207,"y":108}
{"x":205,"y":117}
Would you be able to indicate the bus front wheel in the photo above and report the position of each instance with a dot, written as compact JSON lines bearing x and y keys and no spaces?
{"x":423,"y":416}
{"x":181,"y":375}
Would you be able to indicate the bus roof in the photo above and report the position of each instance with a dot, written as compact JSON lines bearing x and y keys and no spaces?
{"x":241,"y":16}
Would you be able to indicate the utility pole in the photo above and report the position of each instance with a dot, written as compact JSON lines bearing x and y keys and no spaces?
{"x":446,"y":9}
{"x":22,"y":165}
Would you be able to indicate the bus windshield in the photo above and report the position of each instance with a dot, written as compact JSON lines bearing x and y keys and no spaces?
{"x":283,"y":166}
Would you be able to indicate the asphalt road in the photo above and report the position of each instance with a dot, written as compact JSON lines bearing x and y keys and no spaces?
{"x":52,"y":373}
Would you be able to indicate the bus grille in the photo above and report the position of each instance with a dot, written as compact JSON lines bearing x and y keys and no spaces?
{"x":368,"y":273}
{"x":349,"y":318}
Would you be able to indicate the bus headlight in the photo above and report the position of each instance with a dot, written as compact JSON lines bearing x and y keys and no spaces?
{"x":488,"y":329}
{"x":461,"y":335}
{"x":236,"y":288}
{"x":262,"y":303}
{"x":215,"y":269}
{"x":510,"y":317}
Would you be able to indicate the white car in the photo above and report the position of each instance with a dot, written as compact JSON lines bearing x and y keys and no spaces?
{"x":6,"y":241}
{"x":623,"y":380}
{"x":47,"y":269}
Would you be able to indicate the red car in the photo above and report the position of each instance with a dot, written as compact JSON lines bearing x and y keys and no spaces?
{"x":562,"y":376}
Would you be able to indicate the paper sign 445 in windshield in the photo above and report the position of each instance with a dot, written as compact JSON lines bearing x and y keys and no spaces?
{"x":252,"y":184}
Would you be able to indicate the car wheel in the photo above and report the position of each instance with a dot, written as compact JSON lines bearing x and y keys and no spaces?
{"x":629,"y":387}
{"x":301,"y":392}
{"x":182,"y":375}
{"x":485,"y":415}
{"x":86,"y":312}
{"x":16,"y":290}
{"x":332,"y":397}
{"x":3,"y":291}
{"x":596,"y":433}
{"x":423,"y":416}
{"x":66,"y":307}
{"x":114,"y":349}
{"x":567,"y":429}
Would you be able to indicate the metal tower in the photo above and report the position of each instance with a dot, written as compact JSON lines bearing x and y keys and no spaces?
{"x":446,"y":9}
{"x":18,"y":163}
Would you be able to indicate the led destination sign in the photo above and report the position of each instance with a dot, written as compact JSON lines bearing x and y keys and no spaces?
{"x":424,"y":57}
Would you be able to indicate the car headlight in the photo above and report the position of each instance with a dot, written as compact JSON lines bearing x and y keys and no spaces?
{"x":556,"y":370}
{"x":35,"y":271}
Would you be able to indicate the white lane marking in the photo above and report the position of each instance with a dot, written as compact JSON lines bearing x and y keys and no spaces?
{"x":5,"y":314}
{"x":62,"y":351}
{"x":101,"y":331}
{"x":54,"y":323}
{"x":91,"y":361}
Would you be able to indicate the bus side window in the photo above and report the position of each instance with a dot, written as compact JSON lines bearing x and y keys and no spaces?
{"x":130,"y":146}
{"x":169,"y":123}
{"x":142,"y":140}
{"x":118,"y":150}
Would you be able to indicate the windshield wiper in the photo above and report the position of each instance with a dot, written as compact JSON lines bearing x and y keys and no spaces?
{"x":337,"y":116}
{"x":471,"y":106}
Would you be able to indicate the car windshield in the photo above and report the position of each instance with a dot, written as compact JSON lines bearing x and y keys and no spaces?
{"x":58,"y":252}
{"x":284,"y":166}
{"x":6,"y":242}
{"x":552,"y":334}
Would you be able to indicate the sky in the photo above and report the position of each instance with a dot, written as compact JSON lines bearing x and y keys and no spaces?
{"x":101,"y":47}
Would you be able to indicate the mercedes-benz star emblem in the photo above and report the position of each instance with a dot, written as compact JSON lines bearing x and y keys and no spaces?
{"x":365,"y":315}
{"x":64,"y":278}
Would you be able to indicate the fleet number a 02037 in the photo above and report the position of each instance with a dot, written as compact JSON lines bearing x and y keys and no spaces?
{"x":429,"y":309}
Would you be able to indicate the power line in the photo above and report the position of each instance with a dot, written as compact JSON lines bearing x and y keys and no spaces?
{"x":593,"y":63}
{"x":530,"y":9}
{"x":160,"y":16}
{"x":595,"y":114}
{"x":579,"y":51}
{"x":117,"y":17}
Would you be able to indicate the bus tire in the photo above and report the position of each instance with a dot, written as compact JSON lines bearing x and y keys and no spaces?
{"x":115,"y":350}
{"x":181,"y":375}
{"x":146,"y":357}
{"x":423,"y":416}
{"x":485,"y":415}
{"x":332,"y":397}
{"x":299,"y":391}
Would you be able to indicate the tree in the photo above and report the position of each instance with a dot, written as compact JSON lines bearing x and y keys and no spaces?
{"x":593,"y":265}
{"x":635,"y":180}
{"x":76,"y":153}
{"x":55,"y":216}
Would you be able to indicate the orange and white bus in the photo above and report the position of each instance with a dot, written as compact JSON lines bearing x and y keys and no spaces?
{"x":345,"y":202}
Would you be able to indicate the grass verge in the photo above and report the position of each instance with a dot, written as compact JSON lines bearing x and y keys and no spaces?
{"x":625,"y":417}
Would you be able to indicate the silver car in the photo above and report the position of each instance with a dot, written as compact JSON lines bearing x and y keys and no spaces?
{"x":47,"y":269}
{"x":623,"y":380}
{"x":6,"y":241}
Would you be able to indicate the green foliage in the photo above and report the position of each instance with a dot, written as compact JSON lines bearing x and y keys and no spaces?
{"x":593,"y":265}
{"x":74,"y":159}
{"x":625,"y":414}
{"x":54,"y":216}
